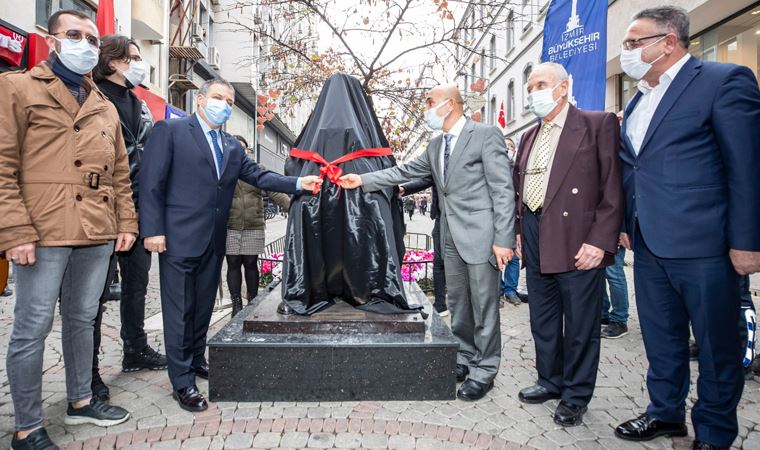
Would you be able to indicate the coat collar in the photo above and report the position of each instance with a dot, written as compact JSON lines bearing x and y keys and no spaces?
{"x":95,"y":103}
{"x":567,"y":147}
{"x":462,"y":140}
{"x":201,"y":142}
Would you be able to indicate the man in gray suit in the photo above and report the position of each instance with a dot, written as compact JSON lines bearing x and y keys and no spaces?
{"x":471,"y":171}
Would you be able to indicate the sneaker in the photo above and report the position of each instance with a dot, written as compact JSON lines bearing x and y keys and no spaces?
{"x":36,"y":440}
{"x":97,"y":413}
{"x":513,"y":299}
{"x":147,"y":358}
{"x":443,"y":312}
{"x":614,"y":330}
{"x":7,"y":292}
{"x":99,"y":389}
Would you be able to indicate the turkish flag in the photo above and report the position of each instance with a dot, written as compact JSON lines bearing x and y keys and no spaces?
{"x":502,"y":120}
{"x":106,"y":18}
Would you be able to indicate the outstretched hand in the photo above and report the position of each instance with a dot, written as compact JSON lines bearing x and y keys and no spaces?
{"x":350,"y":181}
{"x":310,"y":183}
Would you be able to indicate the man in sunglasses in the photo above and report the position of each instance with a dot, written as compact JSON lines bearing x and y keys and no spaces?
{"x":690,"y":163}
{"x":66,"y":205}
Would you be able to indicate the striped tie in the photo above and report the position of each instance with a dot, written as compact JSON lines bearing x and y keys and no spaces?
{"x":446,"y":153}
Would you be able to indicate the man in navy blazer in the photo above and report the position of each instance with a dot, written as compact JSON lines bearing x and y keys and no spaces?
{"x":189,"y":172}
{"x":691,"y":155}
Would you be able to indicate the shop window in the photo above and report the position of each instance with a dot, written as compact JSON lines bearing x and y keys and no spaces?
{"x":46,"y":8}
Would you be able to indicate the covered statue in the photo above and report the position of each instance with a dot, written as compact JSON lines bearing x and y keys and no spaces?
{"x":343,"y":244}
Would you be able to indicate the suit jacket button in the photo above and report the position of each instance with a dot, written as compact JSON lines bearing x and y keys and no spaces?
{"x":79,"y":198}
{"x":105,"y":199}
{"x":564,"y":214}
{"x":574,"y":191}
{"x":78,"y":163}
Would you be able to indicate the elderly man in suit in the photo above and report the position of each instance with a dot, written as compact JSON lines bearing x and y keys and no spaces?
{"x":470,"y":169}
{"x":569,"y":213}
{"x":691,"y":155}
{"x":189,"y":172}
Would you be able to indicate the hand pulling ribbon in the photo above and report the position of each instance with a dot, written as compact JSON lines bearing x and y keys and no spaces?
{"x":331,"y":169}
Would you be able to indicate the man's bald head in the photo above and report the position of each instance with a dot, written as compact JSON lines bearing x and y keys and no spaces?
{"x":439,"y":94}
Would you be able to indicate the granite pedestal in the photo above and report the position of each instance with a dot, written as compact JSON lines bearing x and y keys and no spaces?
{"x":341,"y":354}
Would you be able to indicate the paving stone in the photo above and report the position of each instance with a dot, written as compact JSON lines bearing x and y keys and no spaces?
{"x":401,"y":442}
{"x":348,"y":440}
{"x":374,"y":440}
{"x":294,"y":439}
{"x":245,"y":440}
{"x":321,"y":440}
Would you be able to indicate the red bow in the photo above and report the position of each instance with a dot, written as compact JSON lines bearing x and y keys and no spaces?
{"x":331,"y":169}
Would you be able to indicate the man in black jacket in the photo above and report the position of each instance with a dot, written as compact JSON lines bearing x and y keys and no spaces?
{"x":120,"y":69}
{"x":439,"y":278}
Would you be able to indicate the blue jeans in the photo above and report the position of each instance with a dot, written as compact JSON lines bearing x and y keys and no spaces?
{"x":511,"y":276}
{"x":618,"y":291}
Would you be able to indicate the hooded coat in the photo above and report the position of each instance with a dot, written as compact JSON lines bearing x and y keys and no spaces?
{"x":343,"y":244}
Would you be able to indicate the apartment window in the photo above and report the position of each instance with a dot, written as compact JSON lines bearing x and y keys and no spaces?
{"x":511,"y":101}
{"x":510,"y":31}
{"x":527,"y":14}
{"x":153,"y":74}
{"x":492,"y":52}
{"x":493,"y":118}
{"x":472,"y":73}
{"x":526,"y":73}
{"x":482,"y":64}
{"x":46,"y":8}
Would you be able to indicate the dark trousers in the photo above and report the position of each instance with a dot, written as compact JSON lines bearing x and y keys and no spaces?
{"x":565,"y":317}
{"x":188,"y":291}
{"x":439,"y":274}
{"x":670,"y":293}
{"x":134,"y":266}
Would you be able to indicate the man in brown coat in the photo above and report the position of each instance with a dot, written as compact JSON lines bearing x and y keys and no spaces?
{"x":65,"y":197}
{"x":569,"y":212}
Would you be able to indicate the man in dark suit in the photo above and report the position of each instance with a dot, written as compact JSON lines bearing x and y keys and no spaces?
{"x":189,"y":172}
{"x":570,"y":207}
{"x":691,"y":156}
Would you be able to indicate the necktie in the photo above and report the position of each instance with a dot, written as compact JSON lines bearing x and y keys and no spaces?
{"x":217,"y":152}
{"x":446,"y":153}
{"x":534,"y":184}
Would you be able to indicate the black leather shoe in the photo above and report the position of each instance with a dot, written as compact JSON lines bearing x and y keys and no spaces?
{"x":693,"y":351}
{"x":462,"y":371}
{"x":699,"y":445}
{"x":147,"y":358}
{"x":202,"y":371}
{"x":569,"y":415}
{"x":646,"y":428}
{"x":36,"y":440}
{"x":536,"y":394}
{"x":190,"y":399}
{"x":472,"y":390}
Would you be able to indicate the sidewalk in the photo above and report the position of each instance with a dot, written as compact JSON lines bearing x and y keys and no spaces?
{"x":498,"y":421}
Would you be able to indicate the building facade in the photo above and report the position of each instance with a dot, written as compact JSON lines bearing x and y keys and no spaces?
{"x":507,"y":51}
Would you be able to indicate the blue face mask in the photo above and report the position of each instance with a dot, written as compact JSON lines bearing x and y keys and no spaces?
{"x":217,"y":111}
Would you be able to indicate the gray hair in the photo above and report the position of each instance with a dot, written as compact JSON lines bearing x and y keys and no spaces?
{"x":208,"y":83}
{"x":670,"y":18}
{"x":559,"y":70}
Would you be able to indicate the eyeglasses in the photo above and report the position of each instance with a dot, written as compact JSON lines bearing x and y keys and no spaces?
{"x":76,"y":36}
{"x":631,"y":44}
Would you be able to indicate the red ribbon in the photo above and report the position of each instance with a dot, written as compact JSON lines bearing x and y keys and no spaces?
{"x":331,"y":169}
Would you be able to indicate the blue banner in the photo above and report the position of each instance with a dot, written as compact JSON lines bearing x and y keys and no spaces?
{"x":575,"y":35}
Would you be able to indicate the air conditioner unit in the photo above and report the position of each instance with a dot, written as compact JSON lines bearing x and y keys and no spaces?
{"x":197,"y":33}
{"x":214,"y":58}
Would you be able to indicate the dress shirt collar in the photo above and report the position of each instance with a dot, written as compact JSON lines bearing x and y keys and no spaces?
{"x":456,"y":130}
{"x":666,"y":77}
{"x":206,"y":128}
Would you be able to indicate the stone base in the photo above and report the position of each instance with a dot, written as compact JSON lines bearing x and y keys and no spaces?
{"x":267,"y":367}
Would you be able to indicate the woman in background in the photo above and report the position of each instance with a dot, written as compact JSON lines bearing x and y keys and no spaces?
{"x":245,"y":237}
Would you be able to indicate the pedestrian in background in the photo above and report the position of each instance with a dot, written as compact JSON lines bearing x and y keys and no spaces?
{"x":511,"y":274}
{"x":65,"y":198}
{"x":615,"y":304}
{"x":410,"y":205}
{"x":246,"y":237}
{"x":690,"y":161}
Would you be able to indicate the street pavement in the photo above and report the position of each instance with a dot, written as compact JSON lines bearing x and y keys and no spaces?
{"x":498,"y":421}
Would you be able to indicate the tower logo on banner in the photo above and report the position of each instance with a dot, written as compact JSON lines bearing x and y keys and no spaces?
{"x":575,"y":35}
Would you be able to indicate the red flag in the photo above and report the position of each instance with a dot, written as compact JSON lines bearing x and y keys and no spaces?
{"x":502,"y":119}
{"x":106,"y":19}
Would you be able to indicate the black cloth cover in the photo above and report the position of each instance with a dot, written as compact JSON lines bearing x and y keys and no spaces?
{"x":343,"y":244}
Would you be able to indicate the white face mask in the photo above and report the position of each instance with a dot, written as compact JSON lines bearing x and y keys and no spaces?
{"x":542,"y":102}
{"x":633,"y":65}
{"x":79,"y":57}
{"x":136,"y":73}
{"x":433,"y":120}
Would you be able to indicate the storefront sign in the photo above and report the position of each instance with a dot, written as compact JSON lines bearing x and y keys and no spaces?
{"x":12,"y":46}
